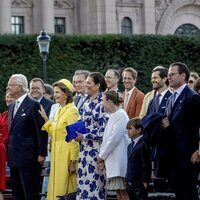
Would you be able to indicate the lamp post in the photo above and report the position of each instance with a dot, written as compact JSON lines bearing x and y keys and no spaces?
{"x":43,"y":42}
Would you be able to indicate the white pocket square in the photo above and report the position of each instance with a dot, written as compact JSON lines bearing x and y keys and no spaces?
{"x":24,"y":114}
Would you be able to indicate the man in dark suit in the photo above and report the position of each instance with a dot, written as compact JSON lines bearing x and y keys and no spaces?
{"x":160,"y":85}
{"x":158,"y":139}
{"x":79,"y":83}
{"x":26,"y":149}
{"x":37,"y":91}
{"x":182,"y":122}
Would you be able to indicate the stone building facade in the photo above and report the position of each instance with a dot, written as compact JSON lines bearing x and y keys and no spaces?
{"x":100,"y":16}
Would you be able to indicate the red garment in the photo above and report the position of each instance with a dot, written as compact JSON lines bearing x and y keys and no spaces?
{"x":3,"y":145}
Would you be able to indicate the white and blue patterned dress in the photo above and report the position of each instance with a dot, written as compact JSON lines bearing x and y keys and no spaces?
{"x":91,"y":181}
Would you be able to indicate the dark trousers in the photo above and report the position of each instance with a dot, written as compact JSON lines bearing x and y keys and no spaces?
{"x":186,"y":184}
{"x":136,"y":193}
{"x":25,"y":182}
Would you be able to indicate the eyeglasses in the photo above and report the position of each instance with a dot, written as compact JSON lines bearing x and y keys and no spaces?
{"x":172,"y":74}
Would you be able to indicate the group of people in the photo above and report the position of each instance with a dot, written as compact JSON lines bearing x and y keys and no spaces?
{"x":130,"y":137}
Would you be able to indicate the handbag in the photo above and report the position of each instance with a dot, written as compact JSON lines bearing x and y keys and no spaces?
{"x":72,"y":130}
{"x":70,"y":196}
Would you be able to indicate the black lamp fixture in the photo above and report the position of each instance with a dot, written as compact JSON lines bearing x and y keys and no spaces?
{"x":43,"y":42}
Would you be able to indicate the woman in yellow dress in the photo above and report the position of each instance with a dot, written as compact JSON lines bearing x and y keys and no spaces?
{"x":64,"y":155}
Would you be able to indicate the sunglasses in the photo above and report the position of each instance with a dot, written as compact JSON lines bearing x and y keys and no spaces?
{"x":190,"y":81}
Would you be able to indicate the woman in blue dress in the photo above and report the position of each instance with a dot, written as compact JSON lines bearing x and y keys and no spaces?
{"x":91,"y":181}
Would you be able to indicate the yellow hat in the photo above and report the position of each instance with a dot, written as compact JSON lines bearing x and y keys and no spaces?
{"x":68,"y":84}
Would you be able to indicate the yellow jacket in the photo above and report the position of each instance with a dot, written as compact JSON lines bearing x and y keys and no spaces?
{"x":62,"y":152}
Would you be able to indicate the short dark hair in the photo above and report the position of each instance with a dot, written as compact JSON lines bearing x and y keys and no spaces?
{"x":98,"y":78}
{"x":182,"y":68}
{"x":66,"y":90}
{"x":163,"y":72}
{"x":136,"y":122}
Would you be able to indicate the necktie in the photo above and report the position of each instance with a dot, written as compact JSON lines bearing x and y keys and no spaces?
{"x":173,"y":98}
{"x":157,"y":102}
{"x":126,"y":100}
{"x":80,"y":102}
{"x":16,"y":108}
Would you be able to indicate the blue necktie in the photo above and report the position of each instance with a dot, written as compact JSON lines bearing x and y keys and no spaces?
{"x":173,"y":98}
{"x":157,"y":102}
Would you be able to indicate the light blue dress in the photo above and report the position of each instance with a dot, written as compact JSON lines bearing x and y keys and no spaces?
{"x":91,"y":181}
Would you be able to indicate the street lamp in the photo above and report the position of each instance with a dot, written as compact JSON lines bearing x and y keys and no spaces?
{"x":43,"y":42}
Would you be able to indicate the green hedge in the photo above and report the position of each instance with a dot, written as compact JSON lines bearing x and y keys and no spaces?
{"x":20,"y":54}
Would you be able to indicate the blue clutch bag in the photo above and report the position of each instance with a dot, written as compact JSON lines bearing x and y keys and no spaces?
{"x":72,"y":130}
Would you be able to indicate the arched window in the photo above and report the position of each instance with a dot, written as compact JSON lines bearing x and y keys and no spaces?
{"x":187,"y":29}
{"x":126,"y":26}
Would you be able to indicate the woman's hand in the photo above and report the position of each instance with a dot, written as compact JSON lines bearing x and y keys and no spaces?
{"x":72,"y":167}
{"x":79,"y":137}
{"x":100,"y":164}
{"x":43,"y":113}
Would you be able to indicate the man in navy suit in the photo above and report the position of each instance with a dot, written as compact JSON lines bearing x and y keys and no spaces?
{"x":160,"y":85}
{"x":37,"y":91}
{"x":182,"y":122}
{"x":26,"y":149}
{"x":159,"y":145}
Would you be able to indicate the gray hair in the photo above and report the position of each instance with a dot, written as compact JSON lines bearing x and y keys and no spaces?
{"x":20,"y":79}
{"x":82,"y":72}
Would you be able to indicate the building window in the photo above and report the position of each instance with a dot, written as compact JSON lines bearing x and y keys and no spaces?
{"x":17,"y":24}
{"x":59,"y":25}
{"x":126,"y":26}
{"x":187,"y":29}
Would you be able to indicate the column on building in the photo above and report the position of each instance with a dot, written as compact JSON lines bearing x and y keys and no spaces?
{"x":47,"y":11}
{"x":149,"y":17}
{"x":5,"y":16}
{"x":85,"y":16}
{"x":110,"y":16}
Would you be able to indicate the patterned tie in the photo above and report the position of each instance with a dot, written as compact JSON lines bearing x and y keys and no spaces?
{"x":157,"y":102}
{"x":126,"y":100}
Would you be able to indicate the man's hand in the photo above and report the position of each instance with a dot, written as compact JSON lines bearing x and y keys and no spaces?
{"x":41,"y":159}
{"x":195,"y":158}
{"x":165,"y":123}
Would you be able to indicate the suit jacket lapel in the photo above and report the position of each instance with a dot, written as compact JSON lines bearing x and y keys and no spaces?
{"x":131,"y":99}
{"x":178,"y":102}
{"x":135,"y":148}
{"x":21,"y":109}
{"x":164,"y":100}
